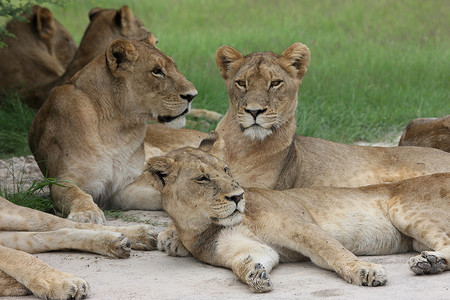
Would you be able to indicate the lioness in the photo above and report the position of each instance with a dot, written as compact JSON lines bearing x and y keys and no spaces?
{"x":428,"y":132}
{"x":105,"y":26}
{"x":91,"y":131}
{"x":262,"y":149}
{"x":250,"y":230}
{"x":24,"y":230}
{"x":39,"y":53}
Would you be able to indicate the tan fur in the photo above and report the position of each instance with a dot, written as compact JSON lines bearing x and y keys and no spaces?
{"x":105,"y":26}
{"x":90,"y":132}
{"x":428,"y":132}
{"x":23,"y":230}
{"x":40,"y":53}
{"x":250,"y":229}
{"x":259,"y":132}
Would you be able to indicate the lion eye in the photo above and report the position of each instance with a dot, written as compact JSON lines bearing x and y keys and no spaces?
{"x":275,"y":83}
{"x":203,"y":178}
{"x":158,"y":72}
{"x":227,"y":170}
{"x":241,"y":83}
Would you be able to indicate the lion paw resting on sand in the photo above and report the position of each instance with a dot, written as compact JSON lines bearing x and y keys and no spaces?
{"x":250,"y":230}
{"x":90,"y":132}
{"x":428,"y":132}
{"x":24,"y":230}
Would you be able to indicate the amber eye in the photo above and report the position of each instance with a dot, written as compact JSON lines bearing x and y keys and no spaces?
{"x":203,"y":178}
{"x":275,"y":83}
{"x":158,"y":72}
{"x":241,"y":83}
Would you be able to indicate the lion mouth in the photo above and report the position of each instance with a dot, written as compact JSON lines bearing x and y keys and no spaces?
{"x":167,"y":119}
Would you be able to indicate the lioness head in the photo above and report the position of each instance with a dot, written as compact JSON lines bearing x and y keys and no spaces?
{"x":195,"y":185}
{"x":262,"y":87}
{"x":158,"y":90}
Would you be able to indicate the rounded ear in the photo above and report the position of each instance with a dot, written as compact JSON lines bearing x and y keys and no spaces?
{"x":120,"y":57}
{"x":45,"y":23}
{"x":156,"y":169}
{"x":124,"y":19}
{"x":93,"y":12}
{"x":213,"y":145}
{"x":226,"y":55}
{"x":150,"y":39}
{"x":297,"y":57}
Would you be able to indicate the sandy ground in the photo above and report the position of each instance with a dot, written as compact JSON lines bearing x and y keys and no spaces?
{"x":155,"y":275}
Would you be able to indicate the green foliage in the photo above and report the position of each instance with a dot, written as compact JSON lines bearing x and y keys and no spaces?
{"x":14,"y":10}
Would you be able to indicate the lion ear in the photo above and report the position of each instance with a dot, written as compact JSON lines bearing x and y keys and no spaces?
{"x":213,"y":145}
{"x":45,"y":23}
{"x":150,"y":39}
{"x":156,"y":170}
{"x":121,"y":56}
{"x":93,"y":12}
{"x":124,"y":19}
{"x":297,"y":57}
{"x":225,"y":56}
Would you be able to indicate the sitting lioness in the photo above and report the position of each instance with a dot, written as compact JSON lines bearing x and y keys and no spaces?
{"x":428,"y":132}
{"x":106,"y":25}
{"x":24,"y":230}
{"x":250,"y":230}
{"x":263,"y":150}
{"x":39,"y":53}
{"x":90,"y":132}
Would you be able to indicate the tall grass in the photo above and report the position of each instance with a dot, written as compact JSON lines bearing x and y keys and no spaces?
{"x":375,"y":64}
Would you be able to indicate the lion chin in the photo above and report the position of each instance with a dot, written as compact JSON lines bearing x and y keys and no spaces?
{"x":256,"y":132}
{"x":177,"y":122}
{"x":233,"y":219}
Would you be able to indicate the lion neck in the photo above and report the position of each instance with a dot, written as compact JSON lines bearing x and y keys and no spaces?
{"x":254,"y":162}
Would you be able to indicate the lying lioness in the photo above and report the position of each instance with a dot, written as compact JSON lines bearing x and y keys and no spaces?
{"x":428,"y":132}
{"x":24,"y":230}
{"x":250,"y":230}
{"x":90,"y":132}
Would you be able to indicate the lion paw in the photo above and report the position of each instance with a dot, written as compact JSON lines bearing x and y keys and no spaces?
{"x":259,"y":280}
{"x":169,"y":241}
{"x":142,"y":237}
{"x":60,"y":286}
{"x":118,"y":246}
{"x":95,"y":217}
{"x":365,"y":274}
{"x":427,"y":263}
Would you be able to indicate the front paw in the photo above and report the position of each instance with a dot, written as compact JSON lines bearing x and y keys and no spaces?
{"x":89,"y":216}
{"x":142,"y":237}
{"x":258,"y":279}
{"x":364,"y":273}
{"x":59,"y":285}
{"x":427,"y":263}
{"x":169,"y":241}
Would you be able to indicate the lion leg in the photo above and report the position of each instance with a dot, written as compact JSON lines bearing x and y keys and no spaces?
{"x":139,"y":194}
{"x":11,"y":287}
{"x":38,"y":277}
{"x":170,"y":242}
{"x":250,"y":260}
{"x":325,"y":251}
{"x":112,"y":244}
{"x":428,"y":227}
{"x":79,"y":205}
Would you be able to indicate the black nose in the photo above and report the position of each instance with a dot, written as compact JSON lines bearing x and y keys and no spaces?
{"x":235,"y":198}
{"x":188,"y":97}
{"x":256,"y":112}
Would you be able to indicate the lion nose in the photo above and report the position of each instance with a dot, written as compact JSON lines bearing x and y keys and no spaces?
{"x":235,"y":198}
{"x":189,"y":96}
{"x":255,"y":113}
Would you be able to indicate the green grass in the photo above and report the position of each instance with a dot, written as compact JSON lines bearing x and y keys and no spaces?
{"x":375,"y":64}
